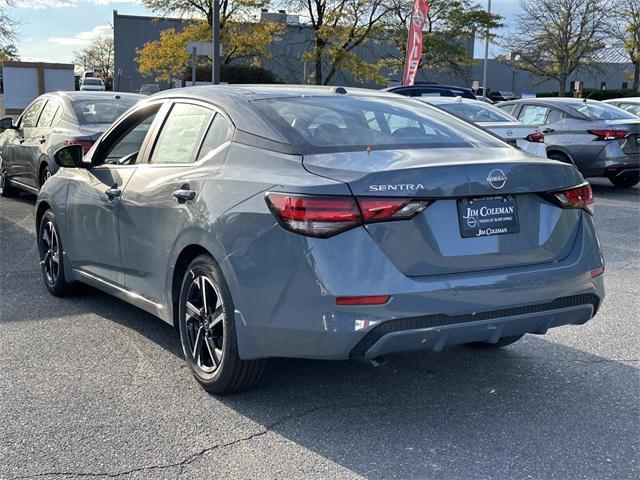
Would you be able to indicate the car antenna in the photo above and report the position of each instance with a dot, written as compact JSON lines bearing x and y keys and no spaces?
{"x":588,"y":96}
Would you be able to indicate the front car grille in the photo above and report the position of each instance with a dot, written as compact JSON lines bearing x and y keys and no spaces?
{"x":441,"y":320}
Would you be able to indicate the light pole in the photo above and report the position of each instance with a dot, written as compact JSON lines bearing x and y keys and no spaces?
{"x":486,"y":57}
{"x":215,"y":57}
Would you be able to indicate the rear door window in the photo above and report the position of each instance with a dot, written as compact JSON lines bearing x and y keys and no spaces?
{"x":181,"y":135}
{"x":48,"y":114}
{"x":631,"y":108}
{"x":533,"y":114}
{"x":216,"y":136}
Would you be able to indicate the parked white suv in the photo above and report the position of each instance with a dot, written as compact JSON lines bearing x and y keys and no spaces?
{"x":92,"y":84}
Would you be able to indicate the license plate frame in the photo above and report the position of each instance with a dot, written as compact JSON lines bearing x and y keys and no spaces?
{"x":487,"y":216}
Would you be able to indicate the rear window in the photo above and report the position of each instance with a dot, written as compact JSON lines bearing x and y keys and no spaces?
{"x":348,"y":123}
{"x":602,"y":111}
{"x":101,"y":111}
{"x":477,"y":112}
{"x":92,"y":81}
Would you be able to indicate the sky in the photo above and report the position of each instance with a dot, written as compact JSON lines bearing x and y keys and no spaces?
{"x":51,"y":30}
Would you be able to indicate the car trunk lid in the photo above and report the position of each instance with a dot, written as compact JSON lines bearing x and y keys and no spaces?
{"x":438,"y":241}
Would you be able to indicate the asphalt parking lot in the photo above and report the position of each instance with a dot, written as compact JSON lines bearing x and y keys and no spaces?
{"x":92,"y":387}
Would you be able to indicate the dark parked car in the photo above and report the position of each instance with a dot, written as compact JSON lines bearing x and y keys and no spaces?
{"x":432,"y":90}
{"x":599,"y":139}
{"x":502,"y":95}
{"x":315,"y":222}
{"x":48,"y":123}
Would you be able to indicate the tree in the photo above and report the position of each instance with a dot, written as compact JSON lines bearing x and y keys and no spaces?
{"x":167,"y":57}
{"x":448,"y":25}
{"x":99,"y":53}
{"x":556,"y":37}
{"x":7,"y":24}
{"x":339,"y":26}
{"x":241,"y":39}
{"x":8,"y":52}
{"x":626,"y":32}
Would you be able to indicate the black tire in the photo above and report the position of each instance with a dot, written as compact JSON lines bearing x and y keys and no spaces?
{"x":625,"y":181}
{"x":45,"y":174}
{"x":208,"y":337}
{"x":51,"y":258}
{"x":503,"y":342}
{"x":6,"y":190}
{"x":561,"y":157}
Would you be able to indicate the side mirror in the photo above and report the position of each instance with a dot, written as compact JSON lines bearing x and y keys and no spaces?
{"x":6,"y":123}
{"x":69,"y":156}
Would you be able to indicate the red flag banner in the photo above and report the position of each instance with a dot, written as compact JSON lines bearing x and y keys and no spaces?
{"x":414,"y":42}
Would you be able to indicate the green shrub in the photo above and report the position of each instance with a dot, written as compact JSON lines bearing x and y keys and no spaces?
{"x":234,"y":73}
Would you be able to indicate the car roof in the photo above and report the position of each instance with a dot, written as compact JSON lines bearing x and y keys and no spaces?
{"x":89,"y":95}
{"x":623,"y":99}
{"x":446,"y":100}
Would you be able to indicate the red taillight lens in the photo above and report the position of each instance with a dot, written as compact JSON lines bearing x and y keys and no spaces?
{"x":325,"y":216}
{"x":537,"y":137}
{"x":314,"y":216}
{"x":383,"y":209}
{"x":576,"y":197}
{"x":365,"y":300}
{"x":609,"y":134}
{"x":86,"y":144}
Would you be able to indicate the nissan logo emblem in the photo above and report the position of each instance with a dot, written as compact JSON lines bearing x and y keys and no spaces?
{"x":497,"y":179}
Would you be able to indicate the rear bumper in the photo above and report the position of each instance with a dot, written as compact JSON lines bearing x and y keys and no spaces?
{"x":287,"y":306}
{"x":437,"y":331}
{"x":608,"y":166}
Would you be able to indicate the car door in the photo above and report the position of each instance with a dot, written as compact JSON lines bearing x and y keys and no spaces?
{"x":162,"y":196}
{"x":17,"y":157}
{"x":93,"y":198}
{"x":37,"y":148}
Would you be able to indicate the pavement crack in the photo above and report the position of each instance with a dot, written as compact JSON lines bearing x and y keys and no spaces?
{"x":179,"y":465}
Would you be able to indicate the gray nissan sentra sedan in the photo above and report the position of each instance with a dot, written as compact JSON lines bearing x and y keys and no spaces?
{"x":327,"y":223}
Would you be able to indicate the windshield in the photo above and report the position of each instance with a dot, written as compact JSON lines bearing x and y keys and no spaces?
{"x":601,"y":111}
{"x":349,"y":123}
{"x":101,"y":111}
{"x":476,"y":112}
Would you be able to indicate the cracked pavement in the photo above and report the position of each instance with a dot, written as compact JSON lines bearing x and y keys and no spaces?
{"x":92,"y":387}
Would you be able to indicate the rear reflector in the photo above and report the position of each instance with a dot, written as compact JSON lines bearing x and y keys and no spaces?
{"x":367,"y":300}
{"x":383,"y":209}
{"x":576,"y":197}
{"x":325,"y":216}
{"x":537,"y":137}
{"x":86,"y":144}
{"x":596,"y":272}
{"x":609,"y":134}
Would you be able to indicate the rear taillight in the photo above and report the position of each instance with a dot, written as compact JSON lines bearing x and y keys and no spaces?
{"x":537,"y":137}
{"x":325,"y":216}
{"x":86,"y":144}
{"x":576,"y":197}
{"x":609,"y":134}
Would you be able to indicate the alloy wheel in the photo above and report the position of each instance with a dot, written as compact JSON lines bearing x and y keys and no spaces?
{"x":204,"y":324}
{"x":46,"y":175}
{"x":51,"y":251}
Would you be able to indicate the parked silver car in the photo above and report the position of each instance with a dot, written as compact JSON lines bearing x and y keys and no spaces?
{"x":326,"y":223}
{"x":49,"y":122}
{"x":599,"y":139}
{"x":631,"y":105}
{"x":526,"y":137}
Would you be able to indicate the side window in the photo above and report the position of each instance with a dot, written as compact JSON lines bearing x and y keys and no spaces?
{"x":48,"y":113}
{"x":631,"y":108}
{"x":123,"y":149}
{"x":181,"y":134}
{"x":507,"y":108}
{"x":533,"y":114}
{"x":554,"y":116}
{"x":216,"y":135}
{"x":30,"y":115}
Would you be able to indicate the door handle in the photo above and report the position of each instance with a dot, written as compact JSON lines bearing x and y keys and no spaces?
{"x":548,"y":130}
{"x":113,"y":193}
{"x":184,"y":194}
{"x":42,"y":139}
